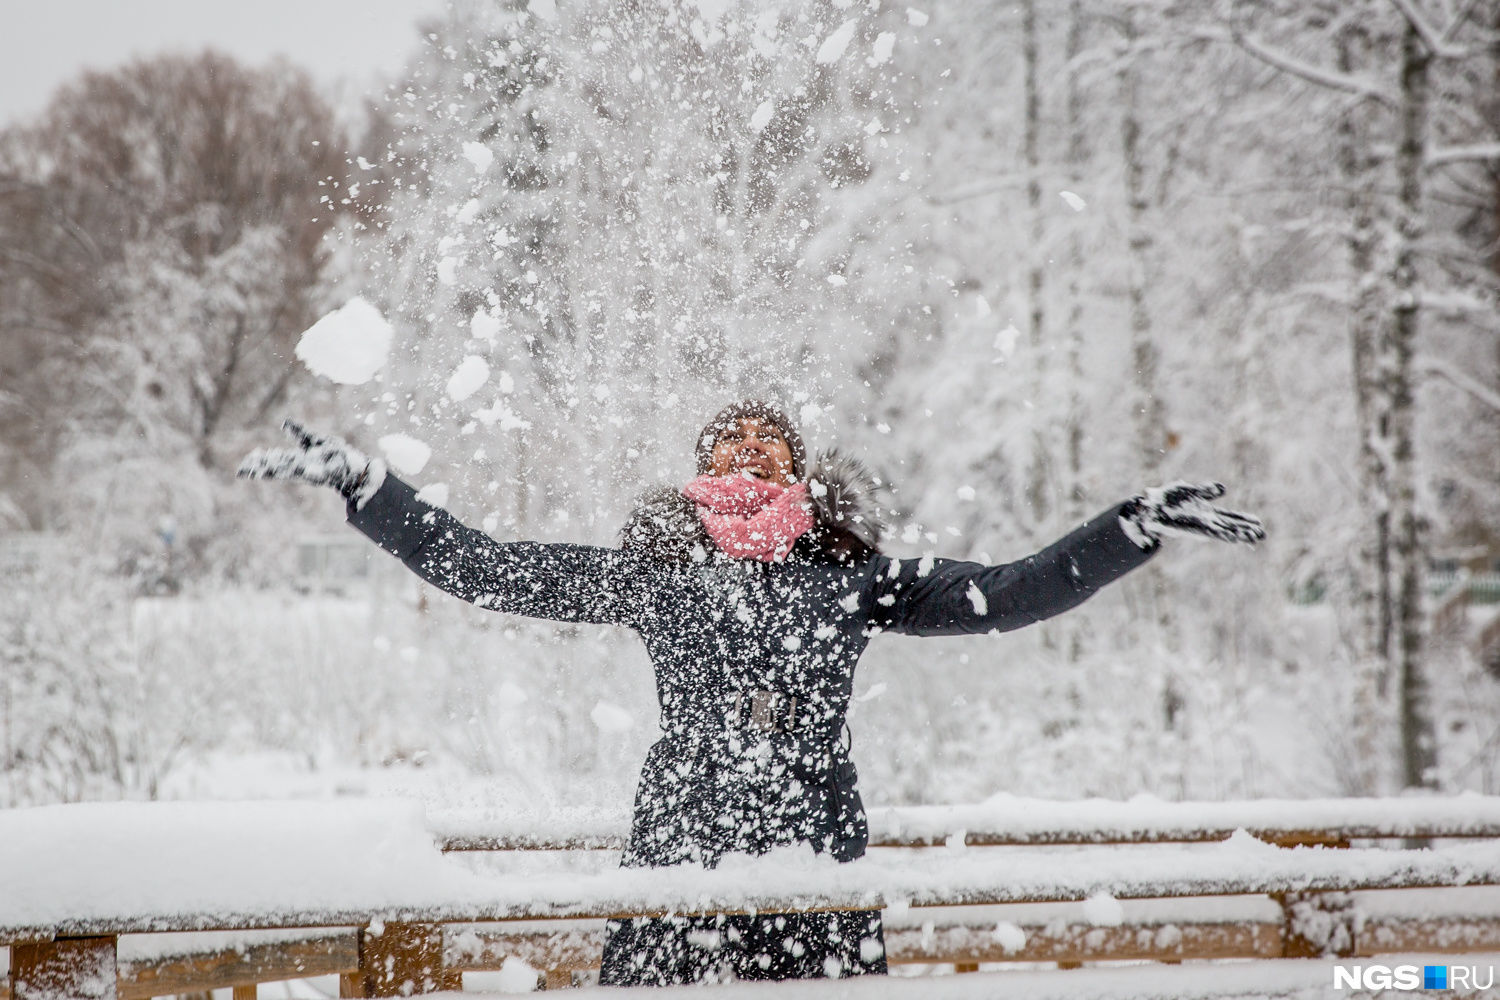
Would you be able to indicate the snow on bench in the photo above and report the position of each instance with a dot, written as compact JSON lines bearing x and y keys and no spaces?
{"x":1012,"y":820}
{"x":76,"y":877}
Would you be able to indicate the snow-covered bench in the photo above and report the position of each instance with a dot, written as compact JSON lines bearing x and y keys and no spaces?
{"x":1008,"y":820}
{"x":74,"y":879}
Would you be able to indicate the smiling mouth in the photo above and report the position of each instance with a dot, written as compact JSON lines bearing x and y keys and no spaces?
{"x":755,"y":465}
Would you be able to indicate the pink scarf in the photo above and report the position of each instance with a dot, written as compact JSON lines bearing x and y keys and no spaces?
{"x":748,"y":518}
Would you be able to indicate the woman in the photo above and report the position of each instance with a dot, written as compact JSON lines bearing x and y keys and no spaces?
{"x":755,"y":588}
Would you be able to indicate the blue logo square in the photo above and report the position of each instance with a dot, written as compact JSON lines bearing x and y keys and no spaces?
{"x":1435,"y":977}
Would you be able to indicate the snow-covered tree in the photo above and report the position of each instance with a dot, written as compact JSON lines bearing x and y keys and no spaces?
{"x":163,"y":230}
{"x":1373,"y":69}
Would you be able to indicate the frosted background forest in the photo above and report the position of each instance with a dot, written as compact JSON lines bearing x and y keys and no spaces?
{"x":1024,"y":259}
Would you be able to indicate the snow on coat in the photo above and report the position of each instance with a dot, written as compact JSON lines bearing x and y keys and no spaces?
{"x":754,"y":667}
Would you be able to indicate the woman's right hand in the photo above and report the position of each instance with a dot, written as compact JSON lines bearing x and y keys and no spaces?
{"x":320,"y":460}
{"x":1185,"y":509}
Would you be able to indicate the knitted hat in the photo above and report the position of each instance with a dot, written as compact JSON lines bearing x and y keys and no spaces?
{"x":729,"y":418}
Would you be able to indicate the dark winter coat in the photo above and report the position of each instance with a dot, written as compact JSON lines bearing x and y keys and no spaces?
{"x":754,"y":668}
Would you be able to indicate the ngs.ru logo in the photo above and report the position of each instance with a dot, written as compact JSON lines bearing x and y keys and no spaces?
{"x":1413,"y":977}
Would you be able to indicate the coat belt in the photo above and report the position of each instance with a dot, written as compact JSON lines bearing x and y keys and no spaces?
{"x":766,"y":711}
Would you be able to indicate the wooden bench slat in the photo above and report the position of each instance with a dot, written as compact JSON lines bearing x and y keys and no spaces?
{"x":227,"y":968}
{"x":1446,"y":936}
{"x":83,"y":968}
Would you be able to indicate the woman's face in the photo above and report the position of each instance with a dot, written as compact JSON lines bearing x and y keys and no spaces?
{"x":754,"y":446}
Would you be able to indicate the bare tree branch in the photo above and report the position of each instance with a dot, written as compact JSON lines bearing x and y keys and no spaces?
{"x":1463,"y":154}
{"x":1457,"y":23}
{"x":1435,"y":42}
{"x":1318,"y":75}
{"x":1433,"y":368}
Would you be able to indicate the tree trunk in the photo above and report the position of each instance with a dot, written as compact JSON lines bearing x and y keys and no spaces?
{"x":1494,"y":27}
{"x":1418,"y":731}
{"x":1149,"y":411}
{"x":1360,"y":168}
{"x":1074,"y":495}
{"x":1039,"y":474}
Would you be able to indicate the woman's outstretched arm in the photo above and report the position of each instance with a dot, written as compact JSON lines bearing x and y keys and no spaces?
{"x":948,"y":597}
{"x":951,"y":597}
{"x":562,"y":582}
{"x":571,"y":583}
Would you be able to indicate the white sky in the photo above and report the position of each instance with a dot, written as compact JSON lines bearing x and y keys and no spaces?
{"x":344,"y":44}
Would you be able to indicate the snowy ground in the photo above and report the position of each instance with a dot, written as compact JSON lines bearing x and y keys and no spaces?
{"x":1301,"y":980}
{"x":1290,"y":979}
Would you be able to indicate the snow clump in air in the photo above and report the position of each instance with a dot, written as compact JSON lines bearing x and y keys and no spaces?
{"x":406,"y":454}
{"x":511,"y":695}
{"x":467,"y":378}
{"x":837,"y":41}
{"x":479,"y":155}
{"x":500,"y":414}
{"x":347,"y":346}
{"x":485,"y":325}
{"x":762,"y":116}
{"x":434,"y":494}
{"x":1076,"y":203}
{"x":611,"y":718}
{"x":1005,"y":343}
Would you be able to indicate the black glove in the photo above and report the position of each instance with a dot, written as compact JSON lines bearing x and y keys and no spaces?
{"x":319,"y":460}
{"x":1184,"y":509}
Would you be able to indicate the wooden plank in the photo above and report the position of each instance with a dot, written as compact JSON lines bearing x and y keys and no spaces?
{"x":956,"y":944}
{"x":485,"y":950}
{"x":66,"y":969}
{"x":230,"y":968}
{"x":481,"y":949}
{"x":400,"y":959}
{"x":251,"y":992}
{"x":1464,"y":935}
{"x":1074,"y":943}
{"x":1281,"y":837}
{"x":1070,"y":944}
{"x":1318,"y":924}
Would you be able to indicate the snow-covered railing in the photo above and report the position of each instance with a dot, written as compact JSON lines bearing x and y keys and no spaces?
{"x":1007,"y":820}
{"x":74,"y":879}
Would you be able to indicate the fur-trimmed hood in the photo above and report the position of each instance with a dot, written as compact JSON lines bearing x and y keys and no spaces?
{"x":848,"y":525}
